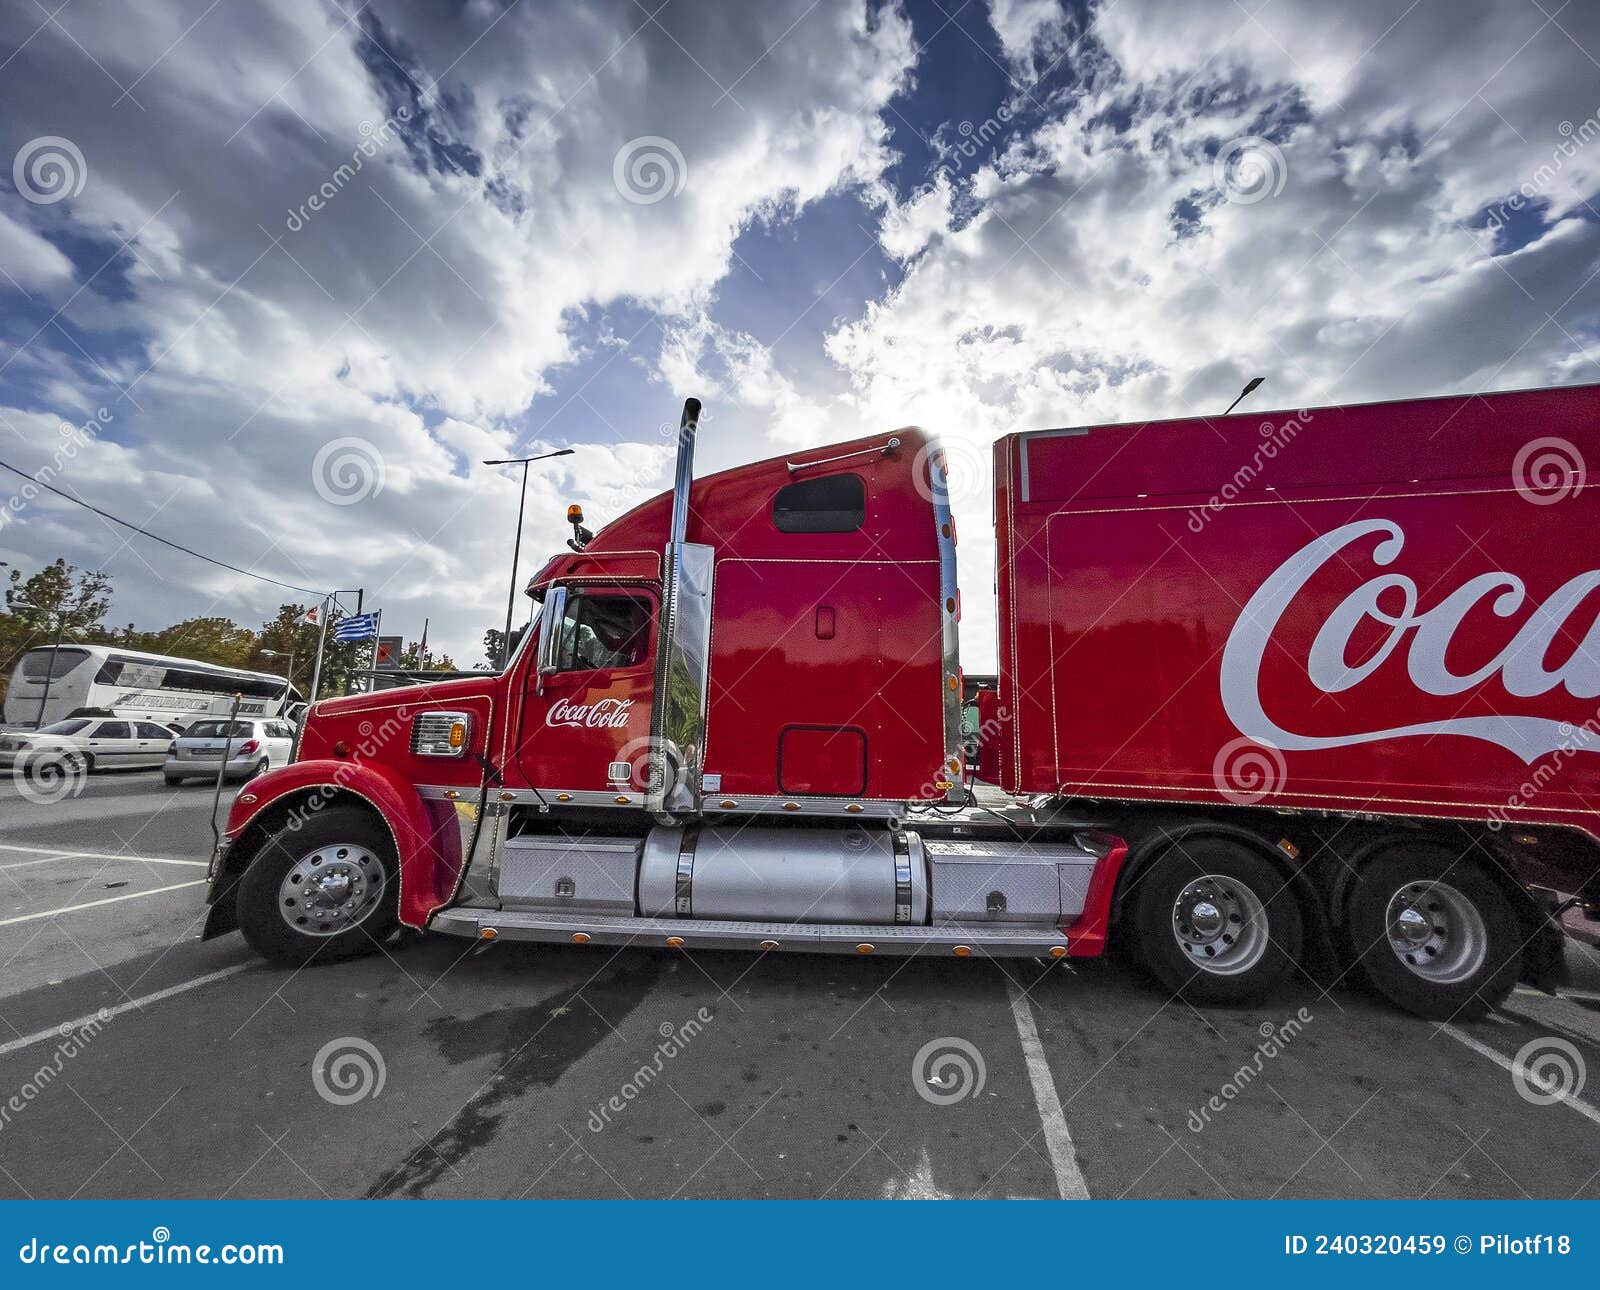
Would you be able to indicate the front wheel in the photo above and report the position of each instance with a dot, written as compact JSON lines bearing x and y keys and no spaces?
{"x":1434,"y":934}
{"x":1216,"y":922}
{"x":326,"y":891}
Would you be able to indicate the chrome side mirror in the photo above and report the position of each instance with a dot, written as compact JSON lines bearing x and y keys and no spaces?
{"x":550,"y":621}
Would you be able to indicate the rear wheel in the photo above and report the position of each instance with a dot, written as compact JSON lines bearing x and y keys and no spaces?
{"x":1434,"y":934}
{"x":327,"y":891}
{"x":1216,"y":922}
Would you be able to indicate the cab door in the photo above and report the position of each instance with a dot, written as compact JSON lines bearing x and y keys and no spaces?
{"x":585,"y":722}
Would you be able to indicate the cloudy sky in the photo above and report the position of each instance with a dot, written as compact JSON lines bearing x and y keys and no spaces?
{"x":301,"y":266}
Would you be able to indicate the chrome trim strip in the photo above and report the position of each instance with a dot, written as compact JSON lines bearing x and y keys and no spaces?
{"x":902,"y":879}
{"x":985,"y":940}
{"x":951,"y":769}
{"x":887,"y":446}
{"x":683,"y":891}
{"x":726,"y":804}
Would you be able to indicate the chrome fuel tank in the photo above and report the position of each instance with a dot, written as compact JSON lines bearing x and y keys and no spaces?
{"x":853,"y":875}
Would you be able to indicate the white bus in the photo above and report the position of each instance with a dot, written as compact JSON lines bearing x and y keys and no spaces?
{"x":147,"y":687}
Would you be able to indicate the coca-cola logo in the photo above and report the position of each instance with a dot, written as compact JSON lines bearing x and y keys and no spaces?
{"x":1390,"y":602}
{"x":603,"y":714}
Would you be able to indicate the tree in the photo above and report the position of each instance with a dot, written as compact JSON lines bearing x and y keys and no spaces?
{"x":59,"y":594}
{"x":493,"y":640}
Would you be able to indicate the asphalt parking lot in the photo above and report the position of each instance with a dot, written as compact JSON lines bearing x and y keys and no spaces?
{"x":136,"y":1061}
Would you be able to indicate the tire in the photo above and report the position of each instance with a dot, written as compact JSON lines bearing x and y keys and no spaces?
{"x":1461,"y":953}
{"x":282,"y":926}
{"x":1251,"y":932}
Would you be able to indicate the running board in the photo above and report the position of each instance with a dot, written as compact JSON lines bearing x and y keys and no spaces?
{"x":990,"y":940}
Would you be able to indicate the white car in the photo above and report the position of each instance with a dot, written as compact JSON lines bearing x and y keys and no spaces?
{"x":90,"y":743}
{"x":253,"y":747}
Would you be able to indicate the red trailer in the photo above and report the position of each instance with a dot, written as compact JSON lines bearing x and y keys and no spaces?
{"x":1314,"y":687}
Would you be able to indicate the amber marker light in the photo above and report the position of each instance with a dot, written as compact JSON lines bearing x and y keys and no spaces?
{"x":580,"y":938}
{"x":458,"y":734}
{"x":676,"y":942}
{"x":864,"y":948}
{"x":487,"y":933}
{"x":962,"y":951}
{"x":1058,"y":951}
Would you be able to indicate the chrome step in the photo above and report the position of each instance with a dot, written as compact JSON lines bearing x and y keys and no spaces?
{"x":993,"y":940}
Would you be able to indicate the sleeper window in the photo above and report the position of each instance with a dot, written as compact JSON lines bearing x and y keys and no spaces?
{"x":831,"y":504}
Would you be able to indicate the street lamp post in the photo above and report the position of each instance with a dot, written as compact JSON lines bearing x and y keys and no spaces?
{"x":288,"y":674}
{"x":516,"y":550}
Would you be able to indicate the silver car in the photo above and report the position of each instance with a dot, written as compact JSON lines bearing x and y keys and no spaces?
{"x":87,"y":743}
{"x":253,"y":747}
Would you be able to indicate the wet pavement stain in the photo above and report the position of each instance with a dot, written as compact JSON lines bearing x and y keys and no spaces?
{"x":534,"y":1046}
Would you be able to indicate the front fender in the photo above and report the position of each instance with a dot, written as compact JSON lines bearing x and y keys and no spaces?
{"x":426,"y":835}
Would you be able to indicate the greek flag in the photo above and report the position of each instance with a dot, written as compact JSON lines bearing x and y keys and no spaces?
{"x":357,"y":627}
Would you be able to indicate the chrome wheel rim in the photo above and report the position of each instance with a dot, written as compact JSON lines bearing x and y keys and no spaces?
{"x":1220,"y":925}
{"x":1436,"y":932}
{"x":332,"y":889}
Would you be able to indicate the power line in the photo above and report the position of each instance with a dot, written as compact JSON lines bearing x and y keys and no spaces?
{"x":156,"y":537}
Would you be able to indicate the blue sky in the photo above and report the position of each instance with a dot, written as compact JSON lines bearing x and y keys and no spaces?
{"x":982,"y":217}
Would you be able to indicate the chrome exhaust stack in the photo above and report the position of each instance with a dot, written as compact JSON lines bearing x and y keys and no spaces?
{"x":683,"y":654}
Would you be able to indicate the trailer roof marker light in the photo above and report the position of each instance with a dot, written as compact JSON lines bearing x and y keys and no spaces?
{"x":580,"y":938}
{"x":675,"y":942}
{"x":864,"y":948}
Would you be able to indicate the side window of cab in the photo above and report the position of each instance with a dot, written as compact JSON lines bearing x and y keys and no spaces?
{"x":606,"y":629}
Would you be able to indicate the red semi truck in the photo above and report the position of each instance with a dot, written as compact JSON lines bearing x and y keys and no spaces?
{"x":1315,"y":687}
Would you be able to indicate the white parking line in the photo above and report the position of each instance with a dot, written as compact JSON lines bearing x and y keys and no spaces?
{"x":1063,"y":1159}
{"x":51,"y":853}
{"x":1515,"y":1067}
{"x":77,"y":1023}
{"x":90,"y":904}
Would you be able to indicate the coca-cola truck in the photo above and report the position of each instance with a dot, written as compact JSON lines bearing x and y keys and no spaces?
{"x":1310,"y":688}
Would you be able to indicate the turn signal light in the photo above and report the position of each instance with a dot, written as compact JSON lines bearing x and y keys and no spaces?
{"x":458,"y":734}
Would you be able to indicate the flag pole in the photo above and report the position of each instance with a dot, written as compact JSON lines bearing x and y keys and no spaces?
{"x":377,"y":640}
